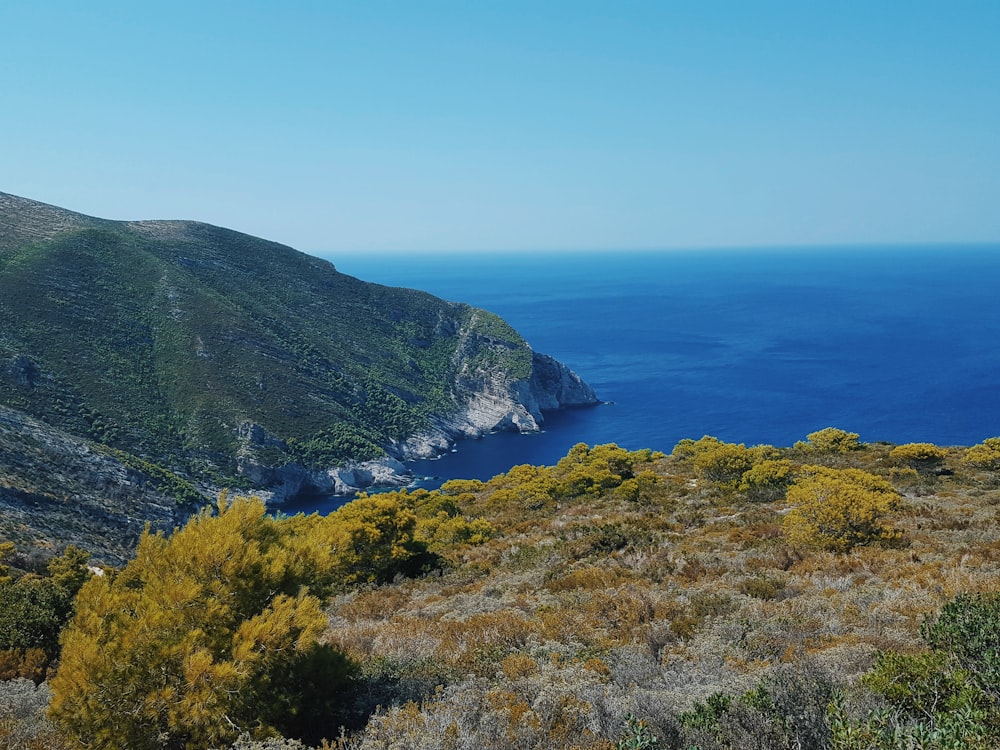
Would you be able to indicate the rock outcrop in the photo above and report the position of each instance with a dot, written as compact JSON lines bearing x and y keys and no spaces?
{"x":58,"y":489}
{"x":280,"y":484}
{"x":492,"y":402}
{"x":486,"y":403}
{"x":498,"y":384}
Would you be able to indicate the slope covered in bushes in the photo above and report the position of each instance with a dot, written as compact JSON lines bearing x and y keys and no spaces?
{"x":834,"y":594}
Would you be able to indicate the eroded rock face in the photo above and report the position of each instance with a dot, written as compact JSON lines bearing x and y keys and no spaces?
{"x":279,"y":484}
{"x":494,"y":403}
{"x":556,"y":386}
{"x":292,"y":481}
{"x":486,"y":399}
{"x":58,"y":489}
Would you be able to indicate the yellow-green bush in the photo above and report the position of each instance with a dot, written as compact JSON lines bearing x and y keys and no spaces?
{"x":831,"y":440}
{"x":688,"y":448}
{"x":838,"y":509}
{"x":213,"y":632}
{"x":767,"y":480}
{"x":985,"y":455}
{"x":371,"y":538}
{"x":724,"y":463}
{"x":918,"y":456}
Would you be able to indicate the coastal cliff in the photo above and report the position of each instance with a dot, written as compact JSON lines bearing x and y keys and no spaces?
{"x":487,"y":398}
{"x":489,"y":392}
{"x":213,"y":358}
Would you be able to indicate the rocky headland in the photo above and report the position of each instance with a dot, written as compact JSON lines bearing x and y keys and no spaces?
{"x":177,"y":358}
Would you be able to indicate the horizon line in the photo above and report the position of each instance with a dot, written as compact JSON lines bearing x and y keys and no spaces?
{"x":778,"y":247}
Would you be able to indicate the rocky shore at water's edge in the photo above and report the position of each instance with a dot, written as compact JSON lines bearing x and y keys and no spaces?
{"x":484,"y":404}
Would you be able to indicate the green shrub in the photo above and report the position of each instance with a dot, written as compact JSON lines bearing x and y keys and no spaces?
{"x":636,"y":735}
{"x":944,"y":698}
{"x":968,"y":630}
{"x":922,"y":685}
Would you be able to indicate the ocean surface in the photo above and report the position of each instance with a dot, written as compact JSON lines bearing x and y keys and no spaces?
{"x":900,"y":344}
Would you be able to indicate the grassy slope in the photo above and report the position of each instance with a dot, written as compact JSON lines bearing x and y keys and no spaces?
{"x":162,"y":337}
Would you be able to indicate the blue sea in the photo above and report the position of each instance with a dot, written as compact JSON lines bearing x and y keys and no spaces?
{"x":900,"y":344}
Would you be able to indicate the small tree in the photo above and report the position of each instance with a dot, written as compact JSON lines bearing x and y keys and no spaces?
{"x":838,"y":509}
{"x":34,"y":610}
{"x":203,"y":636}
{"x":372,"y":540}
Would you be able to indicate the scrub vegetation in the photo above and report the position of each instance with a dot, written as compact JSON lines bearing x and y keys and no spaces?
{"x":834,"y":594}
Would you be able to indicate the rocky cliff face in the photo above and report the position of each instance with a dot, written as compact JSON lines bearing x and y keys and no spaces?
{"x":484,"y":401}
{"x":58,"y":489}
{"x":491,"y":398}
{"x":280,"y":484}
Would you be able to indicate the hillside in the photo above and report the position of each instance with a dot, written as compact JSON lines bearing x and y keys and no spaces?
{"x":231,"y":360}
{"x":58,"y":489}
{"x":684,"y":590}
{"x":832,"y":595}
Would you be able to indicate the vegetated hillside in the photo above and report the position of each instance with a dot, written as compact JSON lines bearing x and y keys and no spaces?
{"x":58,"y":489}
{"x":219,"y":355}
{"x":728,"y":597}
{"x":724,"y":596}
{"x":829,"y":595}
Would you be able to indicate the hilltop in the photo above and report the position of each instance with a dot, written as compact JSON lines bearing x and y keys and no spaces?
{"x":206,"y":358}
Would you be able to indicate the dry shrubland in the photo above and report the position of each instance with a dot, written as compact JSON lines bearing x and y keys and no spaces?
{"x":635,"y":584}
{"x":718,"y":597}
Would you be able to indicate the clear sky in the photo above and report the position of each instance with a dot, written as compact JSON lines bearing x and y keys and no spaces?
{"x":425,"y":125}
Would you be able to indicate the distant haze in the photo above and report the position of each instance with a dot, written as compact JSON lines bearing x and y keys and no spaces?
{"x":512,"y":125}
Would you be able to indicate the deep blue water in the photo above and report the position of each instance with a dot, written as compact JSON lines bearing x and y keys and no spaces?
{"x":899,"y":344}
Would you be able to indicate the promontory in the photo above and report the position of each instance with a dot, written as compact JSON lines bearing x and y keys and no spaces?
{"x":172,"y":358}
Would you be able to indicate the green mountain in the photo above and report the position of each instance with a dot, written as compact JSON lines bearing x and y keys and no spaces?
{"x":230,"y":360}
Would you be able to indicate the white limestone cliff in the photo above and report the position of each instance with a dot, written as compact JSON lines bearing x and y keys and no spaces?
{"x":494,"y":402}
{"x":498,"y":384}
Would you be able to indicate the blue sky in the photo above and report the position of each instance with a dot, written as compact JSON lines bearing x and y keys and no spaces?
{"x":363,"y":126}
